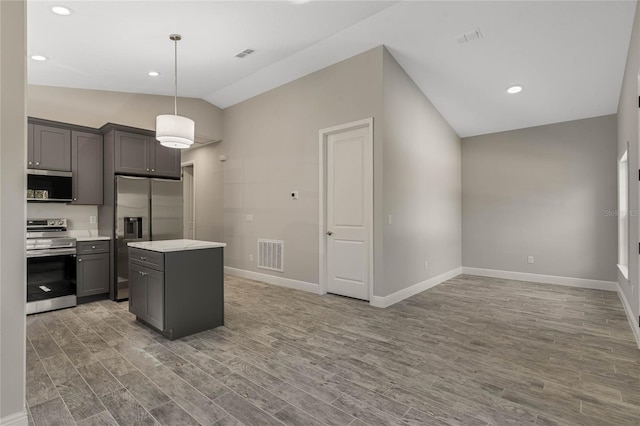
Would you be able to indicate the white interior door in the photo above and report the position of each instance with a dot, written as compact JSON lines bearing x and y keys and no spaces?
{"x":349,"y":164}
{"x":189,"y":203}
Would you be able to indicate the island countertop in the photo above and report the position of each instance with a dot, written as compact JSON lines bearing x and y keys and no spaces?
{"x":165,"y":246}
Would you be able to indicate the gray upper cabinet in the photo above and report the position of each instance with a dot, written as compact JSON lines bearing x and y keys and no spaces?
{"x":87,"y":167}
{"x":131,"y":153}
{"x":30,"y":150}
{"x":142,"y":155}
{"x":165,"y":162}
{"x":50,"y":148}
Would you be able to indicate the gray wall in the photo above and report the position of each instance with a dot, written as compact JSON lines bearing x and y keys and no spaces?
{"x":421,"y":185}
{"x":94,"y":108}
{"x":12,"y":208}
{"x":271,"y":142}
{"x":542,"y":192}
{"x":628,"y":133}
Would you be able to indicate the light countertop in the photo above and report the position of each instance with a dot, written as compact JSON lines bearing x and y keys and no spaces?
{"x":175,"y":245}
{"x":87,"y":235}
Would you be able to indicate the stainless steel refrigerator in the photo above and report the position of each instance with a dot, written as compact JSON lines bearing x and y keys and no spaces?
{"x":146,"y":209}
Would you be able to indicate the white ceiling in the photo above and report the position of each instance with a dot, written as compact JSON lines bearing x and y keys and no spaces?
{"x":568,"y":55}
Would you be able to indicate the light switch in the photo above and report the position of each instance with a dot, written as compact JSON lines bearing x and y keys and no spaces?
{"x":389,"y":220}
{"x":249,"y":218}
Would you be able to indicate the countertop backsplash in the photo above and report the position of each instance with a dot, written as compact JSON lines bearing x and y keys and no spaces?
{"x":78,"y":216}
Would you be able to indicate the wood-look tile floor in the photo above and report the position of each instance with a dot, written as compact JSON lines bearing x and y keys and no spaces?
{"x":471,"y":351}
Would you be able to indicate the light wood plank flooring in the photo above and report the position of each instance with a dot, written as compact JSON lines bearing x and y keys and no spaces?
{"x":471,"y":351}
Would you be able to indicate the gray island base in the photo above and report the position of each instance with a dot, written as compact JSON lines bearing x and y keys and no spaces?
{"x":177,"y":286}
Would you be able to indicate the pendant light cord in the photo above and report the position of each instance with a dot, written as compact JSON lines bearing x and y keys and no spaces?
{"x":175,"y":98}
{"x":176,"y":38}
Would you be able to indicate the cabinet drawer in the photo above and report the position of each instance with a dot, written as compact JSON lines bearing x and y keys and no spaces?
{"x":150,"y":259}
{"x":89,"y":247}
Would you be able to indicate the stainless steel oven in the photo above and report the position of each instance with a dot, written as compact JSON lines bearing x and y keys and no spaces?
{"x":51,"y":266}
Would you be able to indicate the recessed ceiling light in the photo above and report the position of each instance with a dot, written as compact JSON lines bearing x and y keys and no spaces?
{"x":153,"y":73}
{"x":39,"y":58}
{"x":514,"y":89}
{"x":61,"y":10}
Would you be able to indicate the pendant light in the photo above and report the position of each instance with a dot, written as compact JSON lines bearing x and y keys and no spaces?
{"x":175,"y":131}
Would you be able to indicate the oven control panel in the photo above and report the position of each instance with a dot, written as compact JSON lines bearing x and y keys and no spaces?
{"x":41,"y":224}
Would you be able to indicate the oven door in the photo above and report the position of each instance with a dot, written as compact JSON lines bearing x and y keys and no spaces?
{"x":51,"y":282}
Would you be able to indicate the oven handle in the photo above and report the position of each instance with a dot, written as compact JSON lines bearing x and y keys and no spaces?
{"x":51,"y":252}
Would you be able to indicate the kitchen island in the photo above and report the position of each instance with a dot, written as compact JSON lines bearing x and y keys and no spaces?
{"x":176,"y":286}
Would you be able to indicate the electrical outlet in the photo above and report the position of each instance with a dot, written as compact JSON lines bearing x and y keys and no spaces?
{"x":426,"y":265}
{"x":92,"y":219}
{"x":294,"y":195}
{"x":249,"y":218}
{"x":530,"y":259}
{"x":250,"y":258}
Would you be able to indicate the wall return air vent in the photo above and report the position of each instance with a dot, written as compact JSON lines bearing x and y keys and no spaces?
{"x":271,"y":255}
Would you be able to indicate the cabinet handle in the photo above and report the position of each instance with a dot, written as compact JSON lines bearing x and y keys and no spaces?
{"x":30,"y":162}
{"x":143,"y":258}
{"x":147,"y":169}
{"x":79,"y":260}
{"x":153,"y":170}
{"x":37,"y":163}
{"x":75,"y":199}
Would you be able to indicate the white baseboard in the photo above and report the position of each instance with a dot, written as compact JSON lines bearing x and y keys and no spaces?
{"x":272,"y":279}
{"x":16,"y":419}
{"x":545,"y":279}
{"x":386,"y":301}
{"x":633,"y":320}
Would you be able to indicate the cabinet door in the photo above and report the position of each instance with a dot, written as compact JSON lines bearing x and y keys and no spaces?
{"x":52,"y":148}
{"x":30,"y":160}
{"x":164,"y":162}
{"x":93,"y":274}
{"x":155,"y":298}
{"x":137,"y":292}
{"x":131,"y":154}
{"x":86,"y":166}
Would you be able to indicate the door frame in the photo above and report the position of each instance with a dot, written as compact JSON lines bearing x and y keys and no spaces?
{"x":193,"y":201}
{"x":322,"y":228}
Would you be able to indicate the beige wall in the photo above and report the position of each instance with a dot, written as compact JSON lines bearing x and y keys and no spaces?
{"x":94,"y":108}
{"x":421,"y":185}
{"x":628,"y":133}
{"x":543,"y":192}
{"x":271,"y":144}
{"x":12,"y":210}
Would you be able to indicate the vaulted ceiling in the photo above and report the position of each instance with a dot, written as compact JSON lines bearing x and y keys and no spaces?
{"x":569,"y":56}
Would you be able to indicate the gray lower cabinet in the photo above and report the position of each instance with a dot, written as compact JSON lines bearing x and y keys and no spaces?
{"x":178,"y":293}
{"x":92,"y":262}
{"x":146,"y":295}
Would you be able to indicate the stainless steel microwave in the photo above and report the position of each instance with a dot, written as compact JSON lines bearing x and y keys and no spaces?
{"x":49,"y":186}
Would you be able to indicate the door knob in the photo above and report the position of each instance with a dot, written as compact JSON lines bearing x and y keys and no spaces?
{"x":329,"y":233}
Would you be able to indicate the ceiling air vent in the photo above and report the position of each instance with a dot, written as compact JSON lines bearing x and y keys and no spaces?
{"x":467,"y":37}
{"x":244,"y":53}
